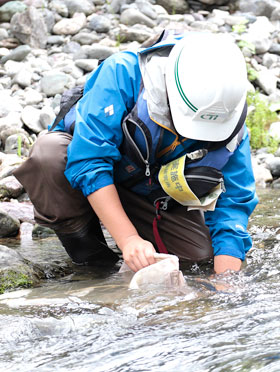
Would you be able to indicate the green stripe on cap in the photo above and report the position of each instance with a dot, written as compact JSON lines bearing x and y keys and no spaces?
{"x":179,"y":87}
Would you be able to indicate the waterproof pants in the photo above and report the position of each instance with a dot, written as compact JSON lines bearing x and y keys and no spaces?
{"x":66,"y":210}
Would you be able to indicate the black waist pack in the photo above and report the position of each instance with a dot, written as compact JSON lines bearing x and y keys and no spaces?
{"x":201,"y":181}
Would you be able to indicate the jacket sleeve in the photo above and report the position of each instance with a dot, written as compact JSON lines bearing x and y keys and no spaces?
{"x":228,"y":222}
{"x":109,"y":94}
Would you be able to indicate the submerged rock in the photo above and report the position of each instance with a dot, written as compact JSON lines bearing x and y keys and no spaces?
{"x":41,"y":231}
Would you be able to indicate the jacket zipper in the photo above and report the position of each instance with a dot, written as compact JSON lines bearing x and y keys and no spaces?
{"x":145,"y":161}
{"x":170,"y":148}
{"x":206,"y":178}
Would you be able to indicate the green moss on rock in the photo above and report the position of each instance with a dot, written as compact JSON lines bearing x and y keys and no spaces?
{"x":41,"y":231}
{"x":11,"y":279}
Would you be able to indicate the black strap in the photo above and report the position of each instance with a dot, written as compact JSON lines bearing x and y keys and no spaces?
{"x":68,"y":100}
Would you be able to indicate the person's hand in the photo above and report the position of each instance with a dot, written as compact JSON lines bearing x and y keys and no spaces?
{"x":137,"y":252}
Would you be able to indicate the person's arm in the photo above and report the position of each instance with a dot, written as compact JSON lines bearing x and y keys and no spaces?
{"x":228,"y":222}
{"x":110,"y":93}
{"x":223,"y":263}
{"x":137,"y":252}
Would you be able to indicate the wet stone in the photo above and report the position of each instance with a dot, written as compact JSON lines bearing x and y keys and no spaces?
{"x":9,"y":226}
{"x":41,"y":231}
{"x":15,"y":271}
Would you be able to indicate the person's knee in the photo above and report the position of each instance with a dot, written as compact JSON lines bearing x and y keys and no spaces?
{"x":85,"y":249}
{"x":44,"y":167}
{"x":49,"y":149}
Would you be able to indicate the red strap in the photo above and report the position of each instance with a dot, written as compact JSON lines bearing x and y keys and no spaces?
{"x":160,"y":244}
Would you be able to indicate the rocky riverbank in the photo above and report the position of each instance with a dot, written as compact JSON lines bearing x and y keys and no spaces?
{"x":47,"y":47}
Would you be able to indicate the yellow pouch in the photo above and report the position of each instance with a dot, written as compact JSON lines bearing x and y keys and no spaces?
{"x":172,"y":179}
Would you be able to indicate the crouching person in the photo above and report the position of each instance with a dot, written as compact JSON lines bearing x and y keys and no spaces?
{"x":157,"y":149}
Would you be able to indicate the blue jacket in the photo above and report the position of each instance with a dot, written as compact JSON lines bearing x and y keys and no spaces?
{"x":110,"y":94}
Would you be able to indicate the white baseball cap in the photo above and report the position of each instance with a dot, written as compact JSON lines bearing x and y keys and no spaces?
{"x":206,"y":81}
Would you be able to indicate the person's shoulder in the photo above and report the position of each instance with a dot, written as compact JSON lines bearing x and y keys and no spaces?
{"x":123,"y":58}
{"x":120,"y":68}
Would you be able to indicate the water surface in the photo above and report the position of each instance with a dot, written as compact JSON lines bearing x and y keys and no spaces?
{"x":91,"y":321}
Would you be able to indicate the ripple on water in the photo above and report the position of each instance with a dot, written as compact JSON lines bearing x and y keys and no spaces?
{"x":91,"y":323}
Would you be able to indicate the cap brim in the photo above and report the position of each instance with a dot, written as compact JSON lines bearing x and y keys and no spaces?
{"x":203,"y":130}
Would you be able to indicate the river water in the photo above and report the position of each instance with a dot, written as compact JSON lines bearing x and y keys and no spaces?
{"x":91,"y":322}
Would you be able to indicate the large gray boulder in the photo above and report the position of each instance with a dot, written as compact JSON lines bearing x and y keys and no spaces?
{"x":29,"y":27}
